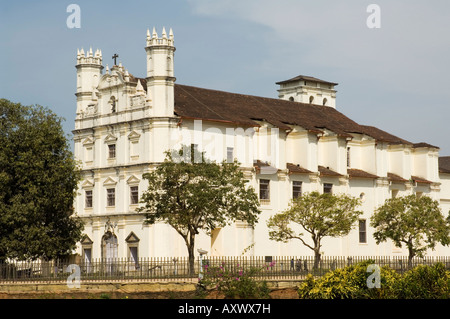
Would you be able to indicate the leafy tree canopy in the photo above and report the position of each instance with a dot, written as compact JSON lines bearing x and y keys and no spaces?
{"x":416,"y":222}
{"x":38,"y":180}
{"x":320,"y":215}
{"x":192,"y":194}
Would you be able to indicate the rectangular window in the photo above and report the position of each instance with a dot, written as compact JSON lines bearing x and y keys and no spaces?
{"x":230,"y":154}
{"x":112,"y":151}
{"x":296,"y":189}
{"x":111,"y":197}
{"x":394,"y":193}
{"x":134,"y":254}
{"x":327,"y":188}
{"x":87,"y":252}
{"x":362,"y":231}
{"x":88,"y":199}
{"x":195,"y":155}
{"x":89,"y":154}
{"x":264,"y":189}
{"x":134,"y":195}
{"x":348,"y":157}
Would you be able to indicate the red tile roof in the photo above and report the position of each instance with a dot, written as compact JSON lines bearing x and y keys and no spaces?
{"x":395,"y":178}
{"x":420,"y":180}
{"x":247,"y":110}
{"x":358,"y":173}
{"x":264,"y":167}
{"x":198,"y":103}
{"x":326,"y":171}
{"x":297,"y":169}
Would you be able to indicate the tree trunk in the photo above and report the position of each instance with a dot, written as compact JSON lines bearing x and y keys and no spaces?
{"x":316,"y":257}
{"x":190,"y":246}
{"x":410,"y":257}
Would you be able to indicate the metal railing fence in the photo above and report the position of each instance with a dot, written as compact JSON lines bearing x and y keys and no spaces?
{"x":177,"y":269}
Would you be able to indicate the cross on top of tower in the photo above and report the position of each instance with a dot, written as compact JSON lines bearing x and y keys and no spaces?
{"x":115,"y":56}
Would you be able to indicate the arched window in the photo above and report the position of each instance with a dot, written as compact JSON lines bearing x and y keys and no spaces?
{"x":325,"y":102}
{"x":113,"y":103}
{"x":291,"y":99}
{"x":311,"y":99}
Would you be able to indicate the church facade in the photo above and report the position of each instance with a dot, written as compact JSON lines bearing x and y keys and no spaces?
{"x":297,"y":143}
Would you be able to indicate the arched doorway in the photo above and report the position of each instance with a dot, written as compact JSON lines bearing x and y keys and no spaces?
{"x":109,"y":250}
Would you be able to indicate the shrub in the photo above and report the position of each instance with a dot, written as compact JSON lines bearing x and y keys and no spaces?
{"x":235,"y":283}
{"x":349,"y":283}
{"x":424,"y":282}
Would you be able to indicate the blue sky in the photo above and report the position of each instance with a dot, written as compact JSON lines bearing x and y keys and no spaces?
{"x":395,"y":77}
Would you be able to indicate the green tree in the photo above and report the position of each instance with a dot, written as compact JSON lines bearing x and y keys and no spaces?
{"x":38,"y":181}
{"x":320,"y":215}
{"x":414,"y":221}
{"x":193,"y":195}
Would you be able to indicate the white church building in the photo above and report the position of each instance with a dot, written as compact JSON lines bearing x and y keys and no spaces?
{"x":297,"y":143}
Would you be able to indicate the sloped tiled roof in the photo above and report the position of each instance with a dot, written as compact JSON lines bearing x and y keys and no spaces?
{"x":297,"y":169}
{"x":198,"y":103}
{"x":358,"y":173}
{"x":247,"y":110}
{"x":396,"y":178}
{"x":325,"y":171}
{"x":418,"y":179}
{"x":444,"y":164}
{"x":306,"y":78}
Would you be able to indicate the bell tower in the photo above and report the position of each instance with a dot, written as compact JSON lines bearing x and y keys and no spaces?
{"x":160,"y":74}
{"x":89,"y":70}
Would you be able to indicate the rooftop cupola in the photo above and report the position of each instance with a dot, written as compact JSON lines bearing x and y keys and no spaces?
{"x":309,"y":90}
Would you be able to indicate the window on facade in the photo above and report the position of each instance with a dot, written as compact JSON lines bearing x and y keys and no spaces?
{"x":325,"y":102}
{"x":311,"y":99}
{"x":394,"y":193}
{"x":87,"y":253}
{"x":348,"y":156}
{"x":88,"y":154}
{"x":362,"y":231}
{"x":264,"y":189}
{"x":111,"y":197}
{"x":134,"y":254}
{"x":327,"y":188}
{"x":88,"y":199}
{"x":112,"y":151}
{"x":134,"y":195}
{"x":230,"y":154}
{"x":113,"y":104}
{"x":195,"y":156}
{"x":296,"y":189}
